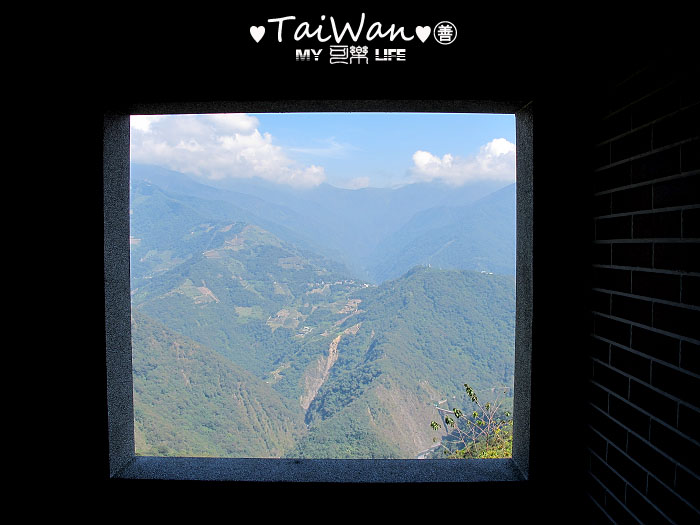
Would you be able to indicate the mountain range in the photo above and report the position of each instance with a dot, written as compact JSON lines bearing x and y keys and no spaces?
{"x":366,"y":228}
{"x":272,"y":322}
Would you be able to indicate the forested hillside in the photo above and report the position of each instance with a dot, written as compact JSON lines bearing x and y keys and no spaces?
{"x":242,"y":329}
{"x":191,"y":401}
{"x":416,"y":340}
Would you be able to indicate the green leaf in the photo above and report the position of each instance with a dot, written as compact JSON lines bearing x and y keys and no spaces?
{"x":470,"y":393}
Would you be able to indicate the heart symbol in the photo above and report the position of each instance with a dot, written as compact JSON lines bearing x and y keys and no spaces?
{"x":423,"y":32}
{"x":257,"y":32}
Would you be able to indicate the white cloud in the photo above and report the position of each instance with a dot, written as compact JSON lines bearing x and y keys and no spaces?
{"x":143,"y":122}
{"x":495,"y":161}
{"x":216,"y":147}
{"x":234,"y":122}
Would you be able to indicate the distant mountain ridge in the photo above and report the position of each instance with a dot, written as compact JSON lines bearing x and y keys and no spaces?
{"x":366,"y":229}
{"x":166,"y":208}
{"x":478,"y":236}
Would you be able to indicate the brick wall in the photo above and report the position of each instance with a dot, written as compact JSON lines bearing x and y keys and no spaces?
{"x":643,"y":452}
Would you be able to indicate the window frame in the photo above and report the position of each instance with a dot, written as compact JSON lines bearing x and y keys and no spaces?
{"x":123,"y":461}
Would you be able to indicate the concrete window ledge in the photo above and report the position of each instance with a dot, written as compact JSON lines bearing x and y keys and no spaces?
{"x":322,"y":470}
{"x":125,"y":465}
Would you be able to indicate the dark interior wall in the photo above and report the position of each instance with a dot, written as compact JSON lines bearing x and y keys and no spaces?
{"x":602,"y":106}
{"x":644,"y":408}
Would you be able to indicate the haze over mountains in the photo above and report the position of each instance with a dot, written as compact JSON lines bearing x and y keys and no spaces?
{"x":324,"y":322}
{"x":366,"y":229}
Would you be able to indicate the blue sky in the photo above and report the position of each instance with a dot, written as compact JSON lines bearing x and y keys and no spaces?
{"x":344,"y":149}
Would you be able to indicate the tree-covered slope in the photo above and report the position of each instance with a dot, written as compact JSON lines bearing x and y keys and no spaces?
{"x":190,"y":401}
{"x":418,"y":339}
{"x":365,"y":377}
{"x":237,"y":293}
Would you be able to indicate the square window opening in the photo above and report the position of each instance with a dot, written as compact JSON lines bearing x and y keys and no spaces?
{"x":315,"y":318}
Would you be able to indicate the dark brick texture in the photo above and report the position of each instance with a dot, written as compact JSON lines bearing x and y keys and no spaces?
{"x":644,"y":415}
